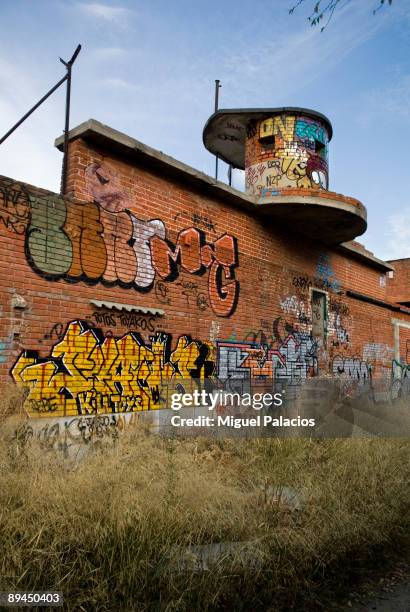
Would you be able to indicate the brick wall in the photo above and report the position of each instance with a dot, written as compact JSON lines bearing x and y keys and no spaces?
{"x":399,"y":285}
{"x":236,"y":293}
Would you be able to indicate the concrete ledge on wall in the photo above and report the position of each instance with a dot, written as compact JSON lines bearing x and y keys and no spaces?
{"x":107,"y":138}
{"x":360,"y":253}
{"x":327,"y":216}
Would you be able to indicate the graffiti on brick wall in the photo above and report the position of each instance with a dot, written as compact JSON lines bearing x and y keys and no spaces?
{"x":157,"y":256}
{"x":304,"y":283}
{"x":162,"y":292}
{"x":298,"y":150}
{"x":265,"y":337}
{"x":195,"y":256}
{"x":351,"y":367}
{"x":400,"y":380}
{"x":270,"y":334}
{"x":14,"y":208}
{"x":273,"y":175}
{"x":130,"y":320}
{"x":198,"y":219}
{"x":297,"y":359}
{"x":337,"y":327}
{"x":326,"y":274}
{"x":339,"y":307}
{"x":103,"y":241}
{"x":240,"y":364}
{"x":310,"y":130}
{"x":355,"y":373}
{"x":55,"y":332}
{"x":193,"y":295}
{"x":339,"y":324}
{"x":304,"y":310}
{"x":4,"y":347}
{"x":378,"y":352}
{"x":377,"y":375}
{"x":88,"y":372}
{"x":64,"y":434}
{"x":295,"y":305}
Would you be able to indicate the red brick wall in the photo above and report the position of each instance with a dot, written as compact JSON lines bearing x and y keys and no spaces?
{"x":236,"y":299}
{"x":399,"y":285}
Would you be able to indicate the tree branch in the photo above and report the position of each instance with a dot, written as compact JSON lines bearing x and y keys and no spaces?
{"x":321,"y":10}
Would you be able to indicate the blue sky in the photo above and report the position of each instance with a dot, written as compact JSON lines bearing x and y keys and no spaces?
{"x":148,"y":69}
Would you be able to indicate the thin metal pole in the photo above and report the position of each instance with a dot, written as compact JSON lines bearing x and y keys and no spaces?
{"x":66,"y":130}
{"x":16,"y":125}
{"x":64,"y":170}
{"x":66,"y":77}
{"x":217,"y":86}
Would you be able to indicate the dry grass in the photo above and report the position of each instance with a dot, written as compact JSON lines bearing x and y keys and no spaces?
{"x":12,"y":404}
{"x":111,"y":532}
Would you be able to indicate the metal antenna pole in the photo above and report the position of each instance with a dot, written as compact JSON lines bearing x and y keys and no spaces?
{"x":217,"y":87}
{"x":66,"y":77}
{"x":68,"y":66}
{"x":16,"y":125}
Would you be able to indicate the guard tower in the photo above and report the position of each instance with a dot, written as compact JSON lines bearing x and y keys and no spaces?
{"x":284,"y":152}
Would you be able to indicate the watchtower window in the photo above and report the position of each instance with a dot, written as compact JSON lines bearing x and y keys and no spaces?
{"x":267,"y":133}
{"x":319,"y":146}
{"x":267,"y":141}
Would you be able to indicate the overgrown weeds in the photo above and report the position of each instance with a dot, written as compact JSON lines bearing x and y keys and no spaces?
{"x":134,"y":526}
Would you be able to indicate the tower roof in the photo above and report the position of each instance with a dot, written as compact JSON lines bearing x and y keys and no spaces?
{"x":225,"y":131}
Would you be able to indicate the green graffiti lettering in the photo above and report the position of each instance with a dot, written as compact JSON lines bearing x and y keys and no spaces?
{"x":48,"y":247}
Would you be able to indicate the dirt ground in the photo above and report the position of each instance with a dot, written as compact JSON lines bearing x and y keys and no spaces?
{"x":398,"y":600}
{"x":387,"y":593}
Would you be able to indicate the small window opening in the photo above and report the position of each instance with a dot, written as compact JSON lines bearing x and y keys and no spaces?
{"x":267,"y":141}
{"x":267,"y":133}
{"x":319,"y":146}
{"x":319,"y":314}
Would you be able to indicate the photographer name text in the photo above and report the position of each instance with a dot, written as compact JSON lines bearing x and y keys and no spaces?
{"x":240,"y":422}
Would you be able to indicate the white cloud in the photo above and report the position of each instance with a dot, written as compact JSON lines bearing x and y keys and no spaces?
{"x":117,"y":15}
{"x":289,"y":61}
{"x":399,"y":242}
{"x":108,"y":53}
{"x":391,"y":101}
{"x":117,"y":83}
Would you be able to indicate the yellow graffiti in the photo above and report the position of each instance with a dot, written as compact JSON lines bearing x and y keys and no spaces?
{"x":87,"y":373}
{"x":278,"y":126}
{"x":295,"y":170}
